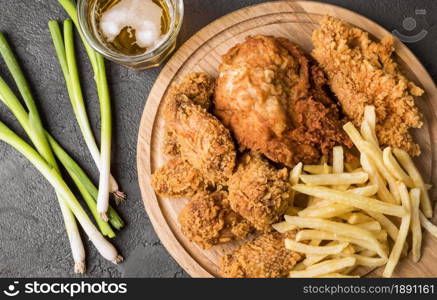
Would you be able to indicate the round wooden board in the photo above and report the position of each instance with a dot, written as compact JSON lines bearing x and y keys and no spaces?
{"x":294,"y":20}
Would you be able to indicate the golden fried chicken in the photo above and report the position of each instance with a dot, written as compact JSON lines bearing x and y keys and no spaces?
{"x":266,"y":96}
{"x":200,"y":148}
{"x":176,"y":179}
{"x":258,"y":191}
{"x":207,"y":220}
{"x":362,"y":72}
{"x":202,"y":139}
{"x":264,"y":257}
{"x":197,"y":86}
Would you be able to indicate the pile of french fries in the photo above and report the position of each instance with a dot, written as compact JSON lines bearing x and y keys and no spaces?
{"x":357,"y":215}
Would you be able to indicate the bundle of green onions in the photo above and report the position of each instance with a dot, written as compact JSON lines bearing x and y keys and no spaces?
{"x":46,"y":149}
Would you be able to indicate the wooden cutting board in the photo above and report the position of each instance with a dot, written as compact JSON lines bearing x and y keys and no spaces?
{"x":294,"y":20}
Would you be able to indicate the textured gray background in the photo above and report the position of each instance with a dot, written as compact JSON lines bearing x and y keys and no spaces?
{"x":32,"y":238}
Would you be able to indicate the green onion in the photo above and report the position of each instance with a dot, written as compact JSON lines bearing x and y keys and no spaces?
{"x":105,"y":248}
{"x":33,"y":126}
{"x":18,"y":110}
{"x":67,"y":59}
{"x":98,"y":65}
{"x":76,"y":171}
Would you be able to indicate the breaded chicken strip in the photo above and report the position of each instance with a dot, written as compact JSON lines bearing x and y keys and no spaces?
{"x":362,"y":72}
{"x":202,"y":140}
{"x":176,"y":179}
{"x":264,"y":257}
{"x":266,"y":96}
{"x":207,"y":220}
{"x":258,"y":191}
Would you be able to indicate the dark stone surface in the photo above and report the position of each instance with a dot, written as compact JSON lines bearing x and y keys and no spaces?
{"x":32,"y":238}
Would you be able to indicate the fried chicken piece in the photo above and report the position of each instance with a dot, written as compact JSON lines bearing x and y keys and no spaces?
{"x":207,"y":220}
{"x":258,"y":191}
{"x":176,"y":179}
{"x":197,"y":86}
{"x":202,"y":139}
{"x":266,"y":95}
{"x":264,"y":257}
{"x":362,"y":72}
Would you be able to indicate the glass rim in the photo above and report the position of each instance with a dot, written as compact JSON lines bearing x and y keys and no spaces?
{"x":123,"y":58}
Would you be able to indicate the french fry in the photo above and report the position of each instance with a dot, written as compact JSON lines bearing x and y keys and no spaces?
{"x":374,"y":153}
{"x":356,"y":218}
{"x":430,"y":227}
{"x":350,"y":199}
{"x":369,"y":261}
{"x":370,"y":226}
{"x":335,"y":179}
{"x":385,"y":222}
{"x":294,"y":179}
{"x":324,"y":235}
{"x":403,"y":232}
{"x":368,"y":190}
{"x":341,"y":229}
{"x":337,"y":275}
{"x":338,"y":164}
{"x":337,"y":160}
{"x":381,"y":235}
{"x":407,"y":163}
{"x":383,"y":193}
{"x":395,"y":169}
{"x":316,"y":169}
{"x":368,"y":134}
{"x":295,"y":173}
{"x":308,"y":249}
{"x":370,"y":116}
{"x":416,"y":228}
{"x":312,"y":259}
{"x":326,"y":267}
{"x":283,"y":227}
{"x":328,"y":210}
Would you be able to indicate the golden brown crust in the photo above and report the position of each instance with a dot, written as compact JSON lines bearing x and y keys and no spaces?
{"x":207,"y":220}
{"x":264,"y":257}
{"x":197,"y":86}
{"x":202,"y":140}
{"x":259,"y":192}
{"x":262,"y":82}
{"x":362,"y":72}
{"x":176,"y":179}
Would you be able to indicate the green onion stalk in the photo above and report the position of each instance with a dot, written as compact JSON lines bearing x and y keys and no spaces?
{"x":105,"y":248}
{"x":67,"y":60}
{"x":72,"y":167}
{"x":32,"y":125}
{"x":98,"y":65}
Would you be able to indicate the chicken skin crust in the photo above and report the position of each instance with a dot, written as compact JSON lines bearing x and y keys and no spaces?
{"x":207,"y":220}
{"x":264,"y":257}
{"x":202,"y":140}
{"x":275,"y":101}
{"x":362,"y":72}
{"x":177,"y":179}
{"x":258,"y":191}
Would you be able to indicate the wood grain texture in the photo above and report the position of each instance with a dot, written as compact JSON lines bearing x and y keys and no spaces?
{"x":294,"y":20}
